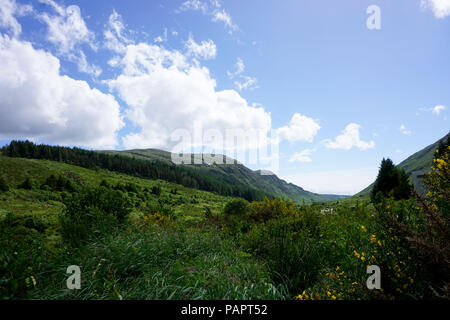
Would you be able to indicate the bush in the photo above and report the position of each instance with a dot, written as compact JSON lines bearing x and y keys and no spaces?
{"x":28,"y":184}
{"x":156,"y":190}
{"x":93,"y":213}
{"x":270,"y":209}
{"x":3,"y":184}
{"x":291,"y":249}
{"x":22,"y":251}
{"x":429,"y":233}
{"x":236,"y":208}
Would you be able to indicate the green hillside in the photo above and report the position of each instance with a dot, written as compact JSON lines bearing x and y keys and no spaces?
{"x":236,"y":174}
{"x":418,"y":162}
{"x":187,"y":203}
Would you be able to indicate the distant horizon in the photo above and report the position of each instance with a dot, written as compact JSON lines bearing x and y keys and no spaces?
{"x":255,"y":170}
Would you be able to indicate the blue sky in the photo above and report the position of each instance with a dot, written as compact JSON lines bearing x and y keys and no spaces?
{"x":127,"y":74}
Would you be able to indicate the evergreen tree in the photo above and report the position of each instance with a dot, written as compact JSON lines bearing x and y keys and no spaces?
{"x":403,"y":189}
{"x":391,"y":181}
{"x":387,"y":178}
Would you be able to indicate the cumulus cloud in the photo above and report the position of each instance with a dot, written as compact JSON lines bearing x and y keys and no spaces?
{"x":67,"y":30}
{"x":300,"y":128}
{"x":440,"y":8}
{"x":167,"y":92}
{"x":205,"y":50}
{"x":349,"y":139}
{"x":39,"y":103}
{"x":404,"y":131}
{"x":302,"y":156}
{"x":9,"y":9}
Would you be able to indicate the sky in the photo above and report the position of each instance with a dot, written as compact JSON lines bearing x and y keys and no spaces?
{"x":333,"y":86}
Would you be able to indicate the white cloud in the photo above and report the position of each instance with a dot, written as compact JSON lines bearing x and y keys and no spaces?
{"x":240,"y":67}
{"x":39,"y":103}
{"x":213,"y":8}
{"x":300,"y":128}
{"x":9,"y":9}
{"x":437,"y":110}
{"x":349,"y":139}
{"x":344,"y":182}
{"x":67,"y":30}
{"x":247,"y":82}
{"x":440,"y":8}
{"x":302,"y":156}
{"x":223,"y":16}
{"x":194,"y":5}
{"x":166,"y":92}
{"x":205,"y":50}
{"x":242,"y":82}
{"x":115,"y":38}
{"x":404,"y":131}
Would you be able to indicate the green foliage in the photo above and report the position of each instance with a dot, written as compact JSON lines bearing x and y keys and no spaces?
{"x":391,"y":181}
{"x":156,"y":190}
{"x":28,"y":184}
{"x":154,"y":169}
{"x":21,"y":242}
{"x":3,"y":184}
{"x":291,"y":249}
{"x":91,"y":213}
{"x":270,"y":209}
{"x":237,"y":208}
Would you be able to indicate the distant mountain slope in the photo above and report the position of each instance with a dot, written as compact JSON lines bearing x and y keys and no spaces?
{"x":414,"y":165}
{"x":237,"y":174}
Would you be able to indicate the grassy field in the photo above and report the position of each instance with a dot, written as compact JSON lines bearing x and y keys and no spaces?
{"x":137,"y":238}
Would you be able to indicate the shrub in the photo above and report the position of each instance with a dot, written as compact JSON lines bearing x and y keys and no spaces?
{"x":291,"y":249}
{"x":156,"y":190}
{"x":93,"y":213}
{"x":3,"y":184}
{"x":28,"y":184}
{"x":430,"y":235}
{"x":236,"y":208}
{"x":269,"y":209}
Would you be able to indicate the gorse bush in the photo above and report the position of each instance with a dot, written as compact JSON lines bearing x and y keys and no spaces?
{"x":270,"y":209}
{"x":429,"y":233}
{"x":92,"y":213}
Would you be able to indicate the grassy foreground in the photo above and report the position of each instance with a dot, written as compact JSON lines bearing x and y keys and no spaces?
{"x":147,"y":239}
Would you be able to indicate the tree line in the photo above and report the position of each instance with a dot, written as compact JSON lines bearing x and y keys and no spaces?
{"x":151,"y":169}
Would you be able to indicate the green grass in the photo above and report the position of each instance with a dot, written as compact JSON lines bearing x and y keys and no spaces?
{"x":180,"y":245}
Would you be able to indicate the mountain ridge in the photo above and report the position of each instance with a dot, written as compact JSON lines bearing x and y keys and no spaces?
{"x":415,"y":165}
{"x":236,"y":173}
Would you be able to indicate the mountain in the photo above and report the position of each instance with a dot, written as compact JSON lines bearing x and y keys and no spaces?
{"x":415,"y":166}
{"x":235,"y":174}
